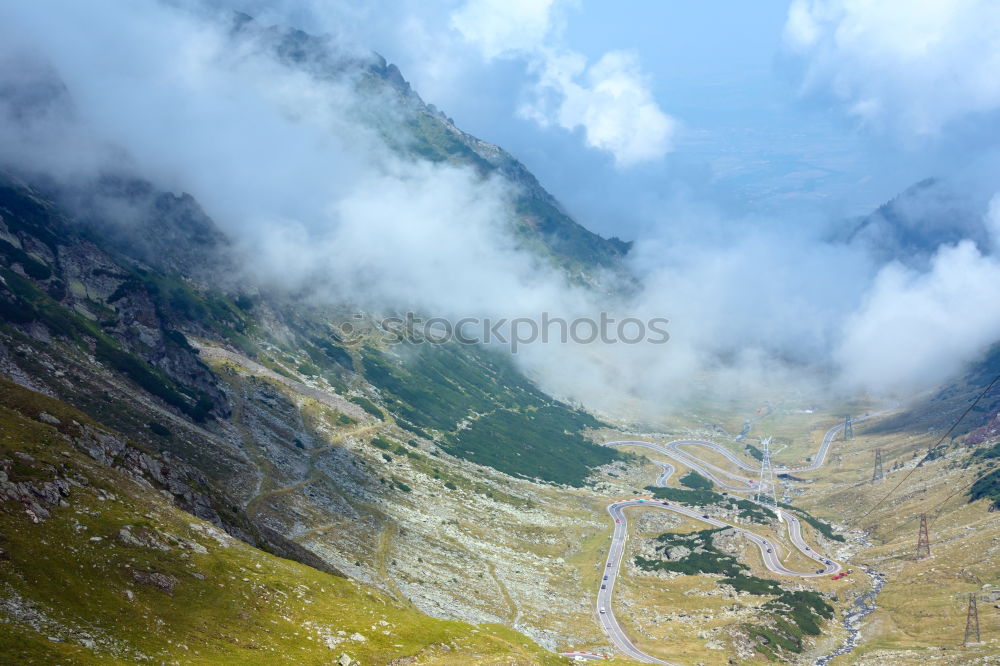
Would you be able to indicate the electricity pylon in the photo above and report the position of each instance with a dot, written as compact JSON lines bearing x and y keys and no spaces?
{"x":848,"y":428}
{"x":972,"y":623}
{"x":878,"y":474}
{"x":923,"y":540}
{"x":765,"y":487}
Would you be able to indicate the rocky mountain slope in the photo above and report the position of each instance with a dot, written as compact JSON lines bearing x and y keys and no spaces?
{"x":910,"y":227}
{"x":418,"y":130}
{"x":350,"y":458}
{"x":98,"y":565}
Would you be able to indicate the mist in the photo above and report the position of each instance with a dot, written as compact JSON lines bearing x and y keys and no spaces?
{"x":290,"y":166}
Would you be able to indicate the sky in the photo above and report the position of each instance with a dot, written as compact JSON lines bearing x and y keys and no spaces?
{"x":729,"y":140}
{"x":743,"y":131}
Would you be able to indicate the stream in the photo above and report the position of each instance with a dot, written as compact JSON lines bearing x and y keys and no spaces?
{"x":863,"y":606}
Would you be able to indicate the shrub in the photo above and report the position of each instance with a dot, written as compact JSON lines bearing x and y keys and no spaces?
{"x":696,"y":481}
{"x":159,"y":429}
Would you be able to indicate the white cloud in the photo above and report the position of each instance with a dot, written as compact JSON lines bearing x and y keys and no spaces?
{"x":915,"y":65}
{"x":916,"y":329}
{"x":609,"y":100}
{"x":504,"y":27}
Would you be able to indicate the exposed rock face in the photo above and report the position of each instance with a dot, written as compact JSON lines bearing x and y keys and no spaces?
{"x":677,"y":552}
{"x":34,"y":495}
{"x":176,"y":478}
{"x":140,"y":538}
{"x":728,"y":541}
{"x":160,"y":581}
{"x":44,"y":246}
{"x":986,"y":433}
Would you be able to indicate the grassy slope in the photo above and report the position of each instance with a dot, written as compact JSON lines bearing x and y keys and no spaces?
{"x":487,"y":412}
{"x":231,"y":604}
{"x":921,"y":609}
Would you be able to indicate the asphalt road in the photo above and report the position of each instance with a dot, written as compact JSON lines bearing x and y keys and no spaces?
{"x":768,"y":550}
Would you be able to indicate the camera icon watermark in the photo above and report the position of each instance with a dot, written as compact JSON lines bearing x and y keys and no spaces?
{"x":515,"y":332}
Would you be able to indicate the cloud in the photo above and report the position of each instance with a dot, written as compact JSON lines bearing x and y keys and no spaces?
{"x":916,"y":329}
{"x":315,"y":199}
{"x":898,"y":65}
{"x":505,"y":27}
{"x":610,"y":100}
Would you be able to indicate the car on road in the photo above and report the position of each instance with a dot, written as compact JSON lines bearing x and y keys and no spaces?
{"x":769,"y":550}
{"x":604,"y":587}
{"x":704,"y":515}
{"x":603,"y":611}
{"x":609,"y":565}
{"x":605,"y":578}
{"x":819,"y":571}
{"x":617,"y":521}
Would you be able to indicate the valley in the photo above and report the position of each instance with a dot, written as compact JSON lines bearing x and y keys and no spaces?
{"x":242,"y":420}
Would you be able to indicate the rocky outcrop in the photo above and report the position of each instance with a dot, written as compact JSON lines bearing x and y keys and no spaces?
{"x":35,"y":495}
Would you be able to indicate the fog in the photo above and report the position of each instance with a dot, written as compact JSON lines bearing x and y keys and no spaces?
{"x":296,"y":169}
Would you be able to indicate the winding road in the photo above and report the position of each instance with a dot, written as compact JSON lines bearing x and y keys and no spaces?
{"x":768,"y":549}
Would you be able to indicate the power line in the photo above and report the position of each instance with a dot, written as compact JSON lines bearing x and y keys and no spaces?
{"x":969,"y":409}
{"x":943,"y":437}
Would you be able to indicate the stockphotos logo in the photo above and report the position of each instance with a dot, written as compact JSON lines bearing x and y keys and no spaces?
{"x":514,"y":332}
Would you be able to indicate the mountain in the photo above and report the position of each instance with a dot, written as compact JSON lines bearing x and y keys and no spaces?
{"x":99,"y":566}
{"x":910,"y":227}
{"x":160,"y":407}
{"x":418,"y":130}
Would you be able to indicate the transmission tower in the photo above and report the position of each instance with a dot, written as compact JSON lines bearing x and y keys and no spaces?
{"x":972,"y":623}
{"x":765,"y":487}
{"x":878,"y":474}
{"x":848,"y":428}
{"x":923,"y":541}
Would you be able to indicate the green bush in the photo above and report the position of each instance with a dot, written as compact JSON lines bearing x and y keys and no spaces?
{"x":521,"y":432}
{"x":32,"y":267}
{"x":367,"y":405}
{"x":307,"y":369}
{"x":159,"y":429}
{"x":790,"y":614}
{"x":987,"y":487}
{"x":695,"y":497}
{"x":382,"y":443}
{"x":696,"y":481}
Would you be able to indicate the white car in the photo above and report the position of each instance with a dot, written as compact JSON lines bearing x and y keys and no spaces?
{"x":603,"y":611}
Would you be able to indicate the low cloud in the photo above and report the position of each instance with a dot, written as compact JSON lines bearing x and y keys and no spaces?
{"x":915,"y":329}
